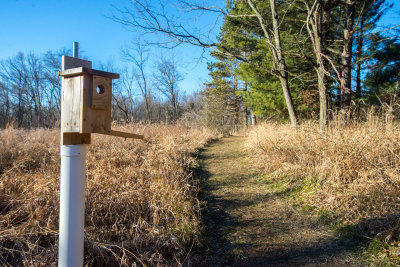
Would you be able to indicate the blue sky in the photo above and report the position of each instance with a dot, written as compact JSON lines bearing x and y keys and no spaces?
{"x":42,"y":25}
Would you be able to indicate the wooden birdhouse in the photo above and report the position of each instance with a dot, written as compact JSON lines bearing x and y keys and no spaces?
{"x":86,"y":102}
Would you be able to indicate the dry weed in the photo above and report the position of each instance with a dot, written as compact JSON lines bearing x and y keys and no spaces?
{"x":141,"y":204}
{"x":352,"y":171}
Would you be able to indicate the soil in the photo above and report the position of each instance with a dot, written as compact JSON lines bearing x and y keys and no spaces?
{"x":250,"y":221}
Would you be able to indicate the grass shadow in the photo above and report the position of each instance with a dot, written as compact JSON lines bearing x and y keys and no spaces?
{"x":216,"y":221}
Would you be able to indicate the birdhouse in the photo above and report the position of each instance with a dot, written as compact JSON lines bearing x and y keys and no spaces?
{"x":86,"y":100}
{"x":85,"y":109}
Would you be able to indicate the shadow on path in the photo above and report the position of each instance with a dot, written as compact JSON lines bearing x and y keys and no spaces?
{"x":248,"y":223}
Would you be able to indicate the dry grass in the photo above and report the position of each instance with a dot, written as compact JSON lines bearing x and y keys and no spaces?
{"x":141,"y":200}
{"x":352,"y":172}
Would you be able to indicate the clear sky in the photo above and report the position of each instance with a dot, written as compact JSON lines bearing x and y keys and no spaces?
{"x":42,"y":25}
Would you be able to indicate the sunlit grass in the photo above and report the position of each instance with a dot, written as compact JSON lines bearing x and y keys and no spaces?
{"x":349,"y":174}
{"x":141,"y":199}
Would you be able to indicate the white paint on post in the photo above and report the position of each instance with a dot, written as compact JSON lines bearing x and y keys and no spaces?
{"x":72,"y":205}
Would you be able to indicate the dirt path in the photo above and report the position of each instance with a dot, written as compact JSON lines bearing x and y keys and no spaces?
{"x":250,"y":222}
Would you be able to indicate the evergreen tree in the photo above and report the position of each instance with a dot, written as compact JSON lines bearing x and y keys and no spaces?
{"x":383,"y":77}
{"x":222,"y":101}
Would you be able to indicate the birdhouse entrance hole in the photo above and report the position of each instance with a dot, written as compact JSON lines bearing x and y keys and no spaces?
{"x":100,"y":89}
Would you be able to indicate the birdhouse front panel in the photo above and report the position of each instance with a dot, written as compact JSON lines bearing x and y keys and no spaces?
{"x":97,"y":109}
{"x":71,"y":103}
{"x":102,"y":91}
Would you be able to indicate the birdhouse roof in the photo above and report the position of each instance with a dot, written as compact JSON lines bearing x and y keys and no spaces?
{"x":83,"y":70}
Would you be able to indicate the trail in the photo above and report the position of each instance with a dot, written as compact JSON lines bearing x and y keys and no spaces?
{"x":249,"y":221}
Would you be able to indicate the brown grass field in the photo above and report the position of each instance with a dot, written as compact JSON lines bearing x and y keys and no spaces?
{"x":141,"y":199}
{"x":348,"y":175}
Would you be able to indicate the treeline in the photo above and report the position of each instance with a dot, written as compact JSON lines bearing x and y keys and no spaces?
{"x":149,"y":88}
{"x":281,"y":60}
{"x":30,"y":89}
{"x":284,"y":59}
{"x":297,"y":59}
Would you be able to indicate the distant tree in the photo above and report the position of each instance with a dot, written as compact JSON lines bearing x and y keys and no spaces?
{"x":124,"y":93}
{"x":31,"y":89}
{"x":138,"y":55}
{"x":221,"y":102}
{"x":5,"y":110}
{"x":52,"y":64}
{"x":167,"y":78}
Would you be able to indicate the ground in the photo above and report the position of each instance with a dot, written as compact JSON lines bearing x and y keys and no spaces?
{"x":249,"y":220}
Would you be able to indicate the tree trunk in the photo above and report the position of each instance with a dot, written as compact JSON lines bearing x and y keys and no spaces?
{"x":236,"y":105}
{"x":277,"y":55}
{"x":288,"y":99}
{"x":346,"y":59}
{"x":318,"y":18}
{"x":253,"y":118}
{"x":166,"y":116}
{"x":360,"y":45}
{"x":148,"y":108}
{"x":20,"y":108}
{"x":246,"y":111}
{"x":281,"y":65}
{"x":324,"y":33}
{"x":323,"y":104}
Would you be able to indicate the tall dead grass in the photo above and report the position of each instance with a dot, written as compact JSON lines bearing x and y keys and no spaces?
{"x":352,"y":172}
{"x":141,"y":204}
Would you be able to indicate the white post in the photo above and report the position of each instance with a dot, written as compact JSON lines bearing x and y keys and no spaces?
{"x":72,"y":205}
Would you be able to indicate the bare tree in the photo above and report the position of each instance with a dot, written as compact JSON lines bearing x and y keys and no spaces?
{"x":316,"y":23}
{"x":275,"y":46}
{"x":126,"y":92}
{"x":142,"y":15}
{"x":5,"y":105}
{"x":137,"y":54}
{"x":35,"y":85}
{"x":13,"y":75}
{"x":52,"y":64}
{"x":167,"y":79}
{"x":31,"y":89}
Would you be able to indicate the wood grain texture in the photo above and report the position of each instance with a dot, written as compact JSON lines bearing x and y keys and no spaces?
{"x":82,"y":70}
{"x":123,"y":134}
{"x":97,"y":119}
{"x":71,"y":62}
{"x":70,"y":104}
{"x":101,"y":100}
{"x":75,"y":139}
